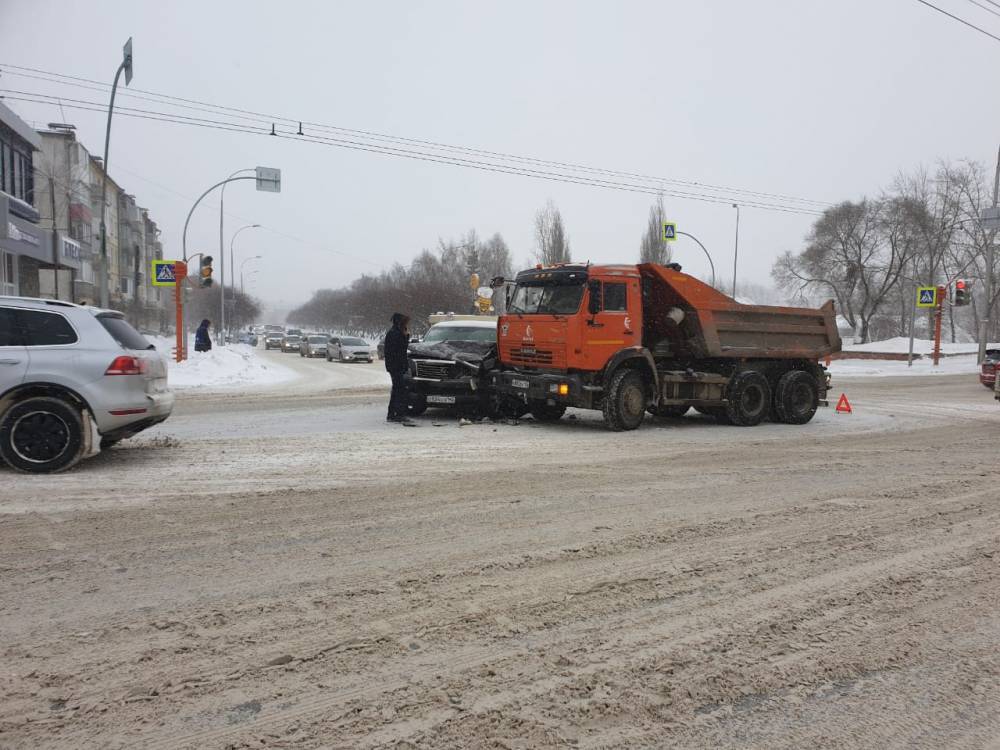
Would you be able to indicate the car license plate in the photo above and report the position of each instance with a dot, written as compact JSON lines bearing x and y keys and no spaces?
{"x":519,"y":383}
{"x":440,"y":399}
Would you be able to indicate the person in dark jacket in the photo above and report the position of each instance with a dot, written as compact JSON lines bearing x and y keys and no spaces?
{"x":396,"y":342}
{"x":202,"y":339}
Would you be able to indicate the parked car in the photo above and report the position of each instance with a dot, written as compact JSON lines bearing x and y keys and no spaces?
{"x":989,"y":369}
{"x":314,"y":345}
{"x":73,"y":380}
{"x":447,"y":366}
{"x":273,"y":340}
{"x":349,"y":349}
{"x":290,"y":343}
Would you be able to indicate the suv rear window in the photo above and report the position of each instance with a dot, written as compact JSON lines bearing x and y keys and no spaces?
{"x":123,"y":333}
{"x":42,"y":328}
{"x":8,"y":336}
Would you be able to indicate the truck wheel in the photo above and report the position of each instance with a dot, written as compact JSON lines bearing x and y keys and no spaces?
{"x":749,"y":399}
{"x":417,"y":405}
{"x":625,"y":401}
{"x":796,"y":397}
{"x":544,"y":412}
{"x":668,"y":412}
{"x":41,"y":435}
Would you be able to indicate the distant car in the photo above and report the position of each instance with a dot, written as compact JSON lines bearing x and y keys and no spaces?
{"x":990,"y":367}
{"x":349,"y":349}
{"x":248,"y":338}
{"x":273,"y":340}
{"x":74,"y":380}
{"x":314,"y":345}
{"x":290,"y":343}
{"x":414,"y":339}
{"x":294,"y":332}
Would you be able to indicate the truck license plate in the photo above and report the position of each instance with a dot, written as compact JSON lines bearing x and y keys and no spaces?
{"x":519,"y":383}
{"x":440,"y":399}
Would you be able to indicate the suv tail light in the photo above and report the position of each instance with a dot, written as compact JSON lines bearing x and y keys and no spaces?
{"x":125,"y":365}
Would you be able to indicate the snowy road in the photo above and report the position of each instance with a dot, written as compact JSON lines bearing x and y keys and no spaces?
{"x":280,"y":568}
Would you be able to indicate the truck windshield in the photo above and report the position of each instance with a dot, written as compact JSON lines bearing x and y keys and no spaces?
{"x":551,"y":299}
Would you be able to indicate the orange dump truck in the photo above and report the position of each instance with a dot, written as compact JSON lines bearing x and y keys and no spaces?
{"x":648,"y":338}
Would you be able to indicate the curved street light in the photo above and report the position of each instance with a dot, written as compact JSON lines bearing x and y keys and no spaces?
{"x":253,"y":257}
{"x":705,"y":250}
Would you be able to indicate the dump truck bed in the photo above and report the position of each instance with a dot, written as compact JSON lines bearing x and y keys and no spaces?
{"x":715,"y":325}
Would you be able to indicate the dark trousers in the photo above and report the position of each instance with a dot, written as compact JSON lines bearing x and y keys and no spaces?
{"x":398,"y":398}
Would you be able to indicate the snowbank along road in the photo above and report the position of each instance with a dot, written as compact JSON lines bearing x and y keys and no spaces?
{"x":283,"y":569}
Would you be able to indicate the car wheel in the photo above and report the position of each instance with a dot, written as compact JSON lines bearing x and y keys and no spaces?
{"x":625,"y":401}
{"x":41,"y":435}
{"x":749,"y":397}
{"x":544,"y":412}
{"x":796,"y":397}
{"x":668,"y":412}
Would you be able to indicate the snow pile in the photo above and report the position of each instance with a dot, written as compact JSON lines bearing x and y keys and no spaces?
{"x":901,"y":344}
{"x":965,"y":364}
{"x":232,"y":366}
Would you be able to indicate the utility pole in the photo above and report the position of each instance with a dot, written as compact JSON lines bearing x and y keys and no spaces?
{"x":736,"y":248}
{"x":221,"y":330}
{"x":985,"y":326}
{"x":55,"y":234}
{"x":126,"y":67}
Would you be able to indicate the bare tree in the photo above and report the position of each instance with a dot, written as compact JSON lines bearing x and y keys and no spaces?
{"x":857,"y":252}
{"x":550,"y":236}
{"x":653,"y":248}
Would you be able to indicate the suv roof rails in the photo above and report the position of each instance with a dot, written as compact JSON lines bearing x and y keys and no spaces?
{"x":39,"y":300}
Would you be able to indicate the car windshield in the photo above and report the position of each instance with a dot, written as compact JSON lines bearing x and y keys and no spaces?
{"x":317,"y":339}
{"x":354,"y":342}
{"x":460,"y":333}
{"x":552,"y":299}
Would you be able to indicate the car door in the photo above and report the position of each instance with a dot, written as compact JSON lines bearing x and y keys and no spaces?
{"x":53,"y":346}
{"x":13,"y":353}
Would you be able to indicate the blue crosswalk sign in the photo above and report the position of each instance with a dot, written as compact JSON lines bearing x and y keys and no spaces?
{"x":926,"y":296}
{"x":163,"y":273}
{"x":669,"y":231}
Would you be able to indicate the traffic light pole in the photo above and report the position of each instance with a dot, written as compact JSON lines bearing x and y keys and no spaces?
{"x":985,"y":326}
{"x":938,"y":308}
{"x":184,"y":240}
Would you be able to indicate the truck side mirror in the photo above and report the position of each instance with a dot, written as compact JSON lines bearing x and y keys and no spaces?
{"x":594,"y":297}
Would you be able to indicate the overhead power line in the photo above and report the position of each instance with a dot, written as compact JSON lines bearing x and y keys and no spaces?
{"x":355,"y":145}
{"x":960,"y":20}
{"x":987,"y":8}
{"x":267,"y":120}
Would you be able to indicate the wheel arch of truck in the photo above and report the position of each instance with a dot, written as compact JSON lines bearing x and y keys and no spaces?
{"x":637,"y":357}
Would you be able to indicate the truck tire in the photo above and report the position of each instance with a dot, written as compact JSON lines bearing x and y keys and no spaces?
{"x":624,"y":401}
{"x":41,"y":435}
{"x":668,"y":412}
{"x":544,"y":412}
{"x":749,"y":399}
{"x":796,"y":398}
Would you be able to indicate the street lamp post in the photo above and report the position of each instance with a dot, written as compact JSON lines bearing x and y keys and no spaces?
{"x":256,"y":270}
{"x":232,"y":264}
{"x":268,"y":180}
{"x":126,"y":67}
{"x":705,"y":250}
{"x":245,"y":261}
{"x":736,"y":247}
{"x":222,"y":255}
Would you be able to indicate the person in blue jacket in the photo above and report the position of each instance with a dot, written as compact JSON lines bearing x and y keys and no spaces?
{"x":202,"y":339}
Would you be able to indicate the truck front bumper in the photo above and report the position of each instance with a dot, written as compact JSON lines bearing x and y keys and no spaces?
{"x":567,"y":389}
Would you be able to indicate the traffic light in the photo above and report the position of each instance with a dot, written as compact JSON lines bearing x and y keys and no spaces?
{"x":206,"y":270}
{"x":961,"y":293}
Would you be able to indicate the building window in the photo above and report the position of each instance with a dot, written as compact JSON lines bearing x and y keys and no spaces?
{"x":15,"y":172}
{"x":8,"y":279}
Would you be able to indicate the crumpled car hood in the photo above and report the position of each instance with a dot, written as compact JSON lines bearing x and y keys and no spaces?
{"x":460,"y":351}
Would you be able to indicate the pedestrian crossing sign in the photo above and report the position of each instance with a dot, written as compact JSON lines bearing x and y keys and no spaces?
{"x":669,"y":231}
{"x":163,"y":273}
{"x":926,"y":296}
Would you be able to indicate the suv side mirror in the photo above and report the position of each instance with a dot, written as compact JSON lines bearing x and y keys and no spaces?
{"x":594,"y":297}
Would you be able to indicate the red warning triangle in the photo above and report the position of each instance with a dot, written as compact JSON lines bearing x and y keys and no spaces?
{"x":844,"y":406}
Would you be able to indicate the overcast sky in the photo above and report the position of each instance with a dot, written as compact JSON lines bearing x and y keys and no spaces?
{"x":821,"y":100}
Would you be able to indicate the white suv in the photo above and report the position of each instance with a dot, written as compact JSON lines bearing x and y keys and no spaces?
{"x":73,"y":380}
